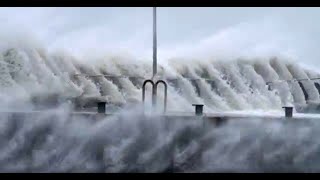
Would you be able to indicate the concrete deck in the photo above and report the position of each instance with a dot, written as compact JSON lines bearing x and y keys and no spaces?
{"x":216,"y":117}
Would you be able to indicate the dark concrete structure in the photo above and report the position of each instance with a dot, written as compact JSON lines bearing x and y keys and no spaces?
{"x":198,"y":109}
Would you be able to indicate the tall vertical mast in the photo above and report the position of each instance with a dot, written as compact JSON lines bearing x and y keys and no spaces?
{"x":154,"y":42}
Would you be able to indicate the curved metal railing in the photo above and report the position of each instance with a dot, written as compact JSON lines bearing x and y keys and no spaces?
{"x":154,"y":92}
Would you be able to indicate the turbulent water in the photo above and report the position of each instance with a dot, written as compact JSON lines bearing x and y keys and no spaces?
{"x":32,"y":79}
{"x":54,"y":142}
{"x":36,"y":77}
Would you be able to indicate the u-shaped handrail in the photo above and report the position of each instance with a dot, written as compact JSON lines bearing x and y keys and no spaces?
{"x":154,"y":92}
{"x":165,"y":93}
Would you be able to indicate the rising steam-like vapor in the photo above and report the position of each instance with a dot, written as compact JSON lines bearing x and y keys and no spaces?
{"x":52,"y":142}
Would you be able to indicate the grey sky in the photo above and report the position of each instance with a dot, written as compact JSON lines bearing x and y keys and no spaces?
{"x":83,"y":30}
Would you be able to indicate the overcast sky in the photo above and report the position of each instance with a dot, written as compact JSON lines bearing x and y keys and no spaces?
{"x":180,"y":30}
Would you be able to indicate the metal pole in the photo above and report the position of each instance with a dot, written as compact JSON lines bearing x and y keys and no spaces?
{"x":154,"y":42}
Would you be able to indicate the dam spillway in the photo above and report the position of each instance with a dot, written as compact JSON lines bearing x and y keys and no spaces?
{"x":219,"y":85}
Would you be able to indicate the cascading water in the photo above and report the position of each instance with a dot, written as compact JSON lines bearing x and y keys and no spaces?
{"x":220,"y":86}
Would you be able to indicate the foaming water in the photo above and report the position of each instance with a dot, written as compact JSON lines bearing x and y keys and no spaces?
{"x":129,"y":142}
